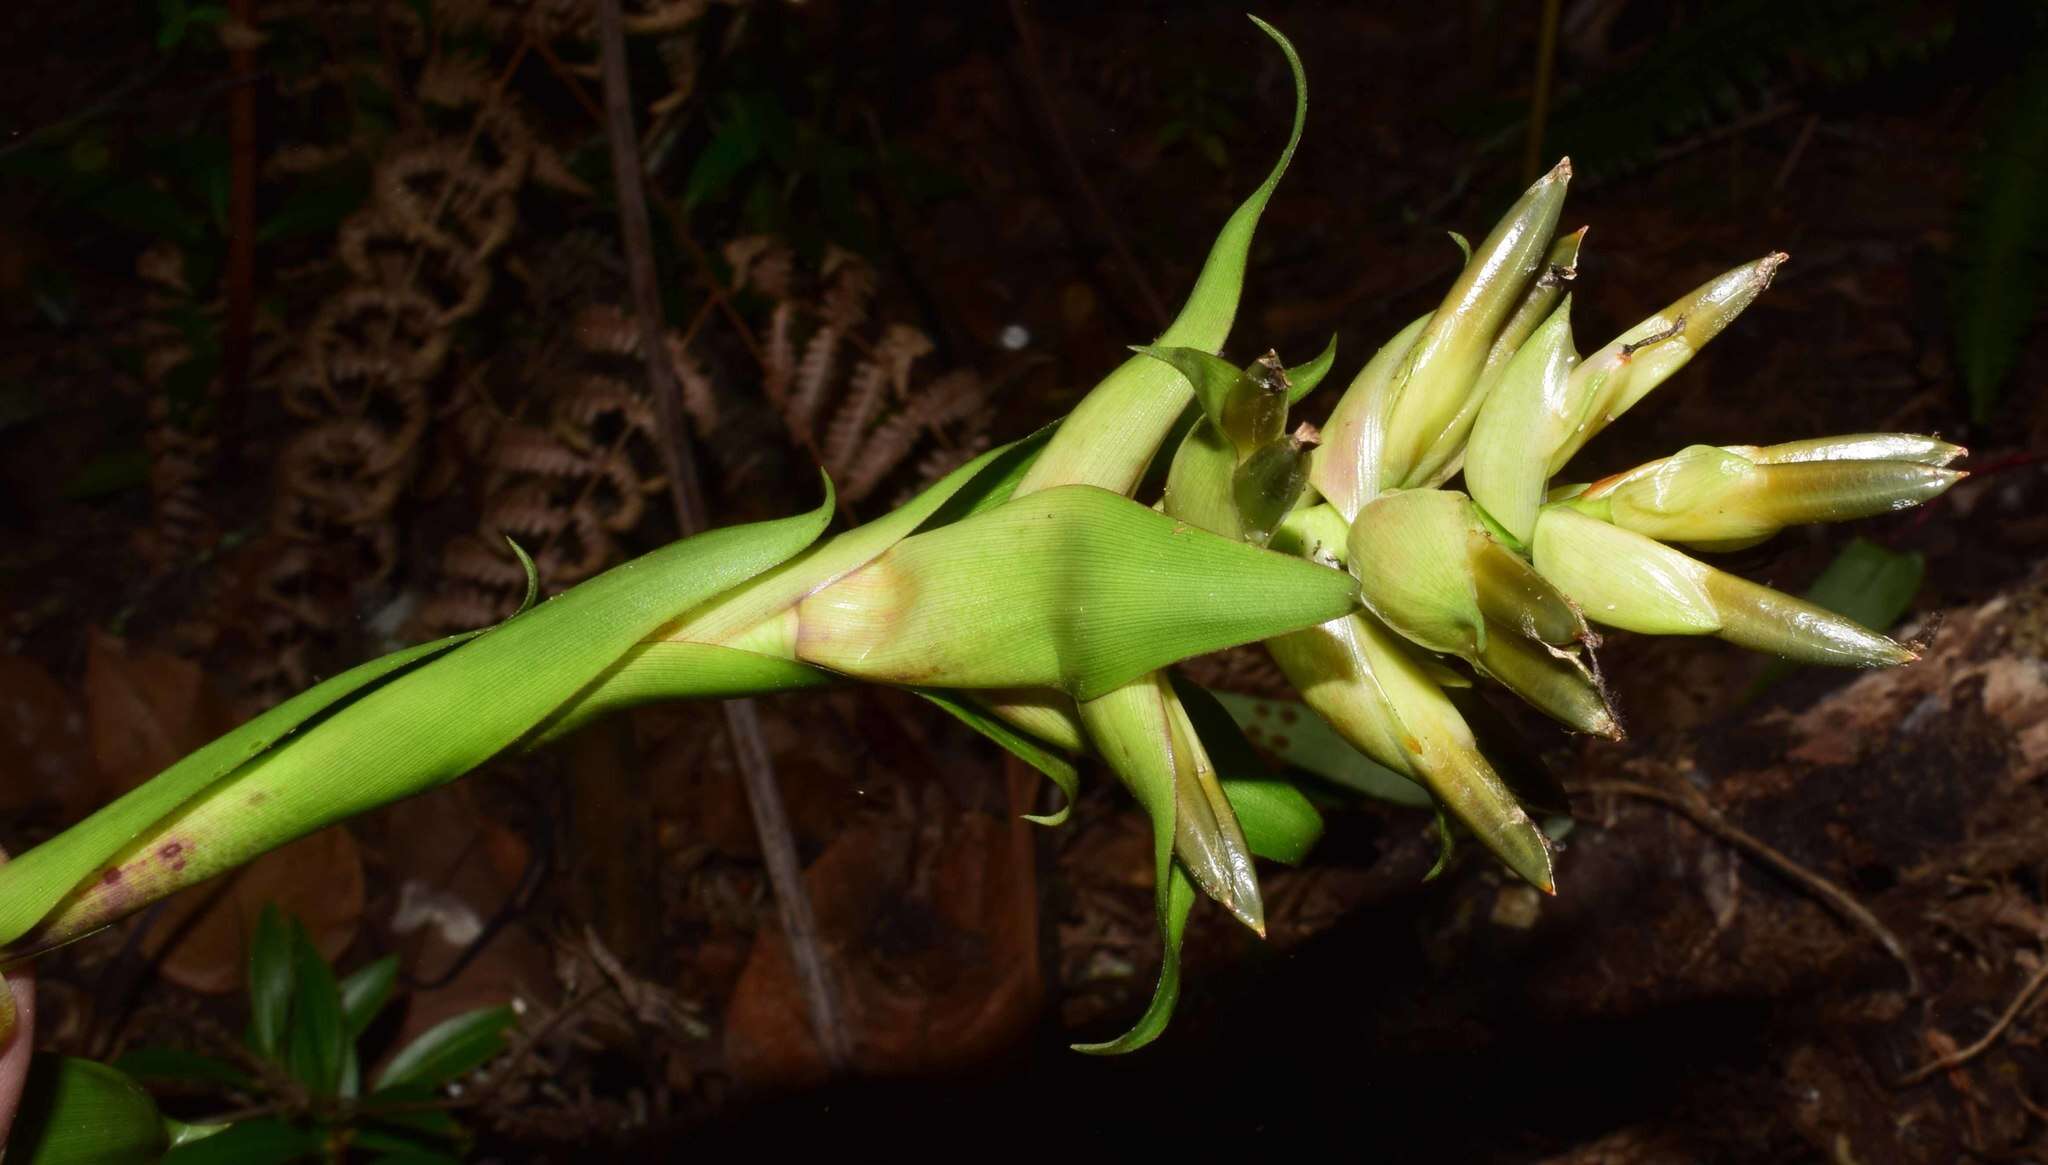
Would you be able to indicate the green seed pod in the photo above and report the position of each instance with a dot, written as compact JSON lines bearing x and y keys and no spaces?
{"x":1710,"y":496}
{"x":1623,"y":579}
{"x":1432,"y":389}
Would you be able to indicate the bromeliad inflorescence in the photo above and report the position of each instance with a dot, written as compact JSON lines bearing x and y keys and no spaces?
{"x":1031,"y":596}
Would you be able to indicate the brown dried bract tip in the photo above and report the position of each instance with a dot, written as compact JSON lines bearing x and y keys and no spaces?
{"x":1307,"y":436}
{"x":1562,"y":172}
{"x":1768,"y":269}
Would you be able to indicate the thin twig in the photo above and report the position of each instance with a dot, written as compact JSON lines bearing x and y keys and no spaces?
{"x":771,"y":822}
{"x":1034,"y":68}
{"x":1539,"y":96}
{"x":2013,"y":1011}
{"x":1695,"y":809}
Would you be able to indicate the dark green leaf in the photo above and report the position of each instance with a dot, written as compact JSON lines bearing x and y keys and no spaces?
{"x":263,"y":1141}
{"x":317,"y":1048}
{"x":271,"y":975}
{"x":448,"y":1049}
{"x":724,"y":158}
{"x":364,"y":994}
{"x":2000,"y":252}
{"x":180,"y":1066}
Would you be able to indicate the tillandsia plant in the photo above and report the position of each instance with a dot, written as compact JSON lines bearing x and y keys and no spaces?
{"x":1034,"y":597}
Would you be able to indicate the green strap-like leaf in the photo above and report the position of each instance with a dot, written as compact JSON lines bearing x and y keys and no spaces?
{"x":1111,"y":437}
{"x":318,"y":1049}
{"x":431,"y":724}
{"x":272,"y":972}
{"x":34,"y":882}
{"x":365,"y":992}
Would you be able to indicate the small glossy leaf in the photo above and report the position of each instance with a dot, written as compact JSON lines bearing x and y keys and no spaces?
{"x":1302,"y":379}
{"x":448,"y":1049}
{"x":78,"y":1112}
{"x":263,"y":1141}
{"x":272,"y":972}
{"x":365,"y":992}
{"x":317,"y":1047}
{"x":182,"y":1067}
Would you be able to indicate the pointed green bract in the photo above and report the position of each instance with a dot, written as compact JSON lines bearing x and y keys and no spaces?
{"x":1278,"y":824}
{"x":1387,"y":704}
{"x":1346,"y":468}
{"x":1609,"y":382}
{"x":1075,"y":588}
{"x":1626,"y":580}
{"x":1527,"y":416}
{"x":1055,"y":765}
{"x":1110,"y":438}
{"x":1714,"y":496}
{"x":1428,"y":398}
{"x":1302,"y":379}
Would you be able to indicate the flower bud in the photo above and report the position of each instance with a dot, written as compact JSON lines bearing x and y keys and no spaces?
{"x":1522,"y":422}
{"x":1430,"y":570}
{"x":1623,"y":579}
{"x":1609,"y":382}
{"x":1720,"y":498}
{"x":1269,"y":483}
{"x":1431,"y":392}
{"x":1538,"y":302}
{"x":1346,"y":469}
{"x":1144,"y":733}
{"x":1385,"y":702}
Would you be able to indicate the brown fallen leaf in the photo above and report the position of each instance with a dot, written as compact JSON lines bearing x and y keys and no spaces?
{"x":931,"y":924}
{"x":145,"y":709}
{"x":43,"y":734}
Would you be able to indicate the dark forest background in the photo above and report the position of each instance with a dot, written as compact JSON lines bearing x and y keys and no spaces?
{"x":306,"y":303}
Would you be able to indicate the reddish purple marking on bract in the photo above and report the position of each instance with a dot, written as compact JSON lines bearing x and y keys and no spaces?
{"x":172,"y":854}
